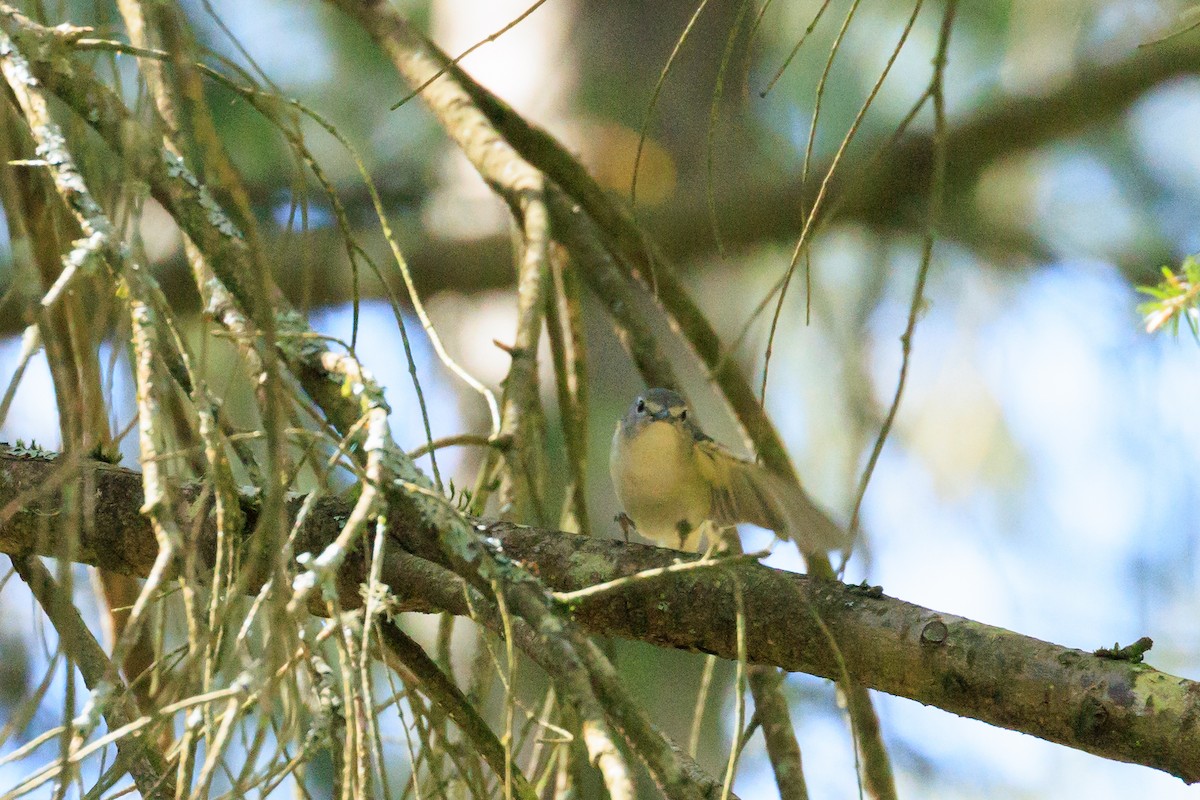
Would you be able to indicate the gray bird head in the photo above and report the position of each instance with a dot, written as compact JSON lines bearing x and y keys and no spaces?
{"x":656,"y":405}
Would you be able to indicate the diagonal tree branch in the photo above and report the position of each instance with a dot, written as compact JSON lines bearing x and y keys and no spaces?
{"x":762,"y":208}
{"x":145,"y":764}
{"x":1112,"y":708}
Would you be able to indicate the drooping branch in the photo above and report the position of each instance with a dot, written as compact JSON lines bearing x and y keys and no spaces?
{"x":762,"y":209}
{"x":353,"y":404}
{"x":146,"y":765}
{"x":1115,"y":709}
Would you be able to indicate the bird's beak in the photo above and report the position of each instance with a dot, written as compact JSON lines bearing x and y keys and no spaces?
{"x":663,"y":415}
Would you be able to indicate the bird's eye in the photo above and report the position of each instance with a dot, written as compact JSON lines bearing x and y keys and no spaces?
{"x":641,"y":406}
{"x":683,"y":414}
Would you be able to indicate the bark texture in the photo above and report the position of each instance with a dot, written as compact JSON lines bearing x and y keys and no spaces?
{"x":1113,"y":708}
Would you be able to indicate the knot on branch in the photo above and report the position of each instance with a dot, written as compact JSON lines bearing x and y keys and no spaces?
{"x":1132,"y":653}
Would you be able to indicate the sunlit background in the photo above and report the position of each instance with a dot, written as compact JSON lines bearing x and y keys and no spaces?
{"x":1041,"y":475}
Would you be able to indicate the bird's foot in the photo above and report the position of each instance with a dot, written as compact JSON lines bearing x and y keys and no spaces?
{"x":626,"y":523}
{"x":685,"y":530}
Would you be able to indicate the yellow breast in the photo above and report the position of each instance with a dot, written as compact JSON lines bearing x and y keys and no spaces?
{"x":658,"y":483}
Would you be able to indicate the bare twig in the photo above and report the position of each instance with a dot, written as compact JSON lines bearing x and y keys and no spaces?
{"x":441,"y":690}
{"x":565,"y":330}
{"x":146,"y":766}
{"x":620,"y":584}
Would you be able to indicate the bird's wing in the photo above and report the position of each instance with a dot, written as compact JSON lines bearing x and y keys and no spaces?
{"x":743,"y":491}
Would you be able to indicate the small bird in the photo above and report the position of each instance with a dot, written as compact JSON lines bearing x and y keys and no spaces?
{"x":677,"y":485}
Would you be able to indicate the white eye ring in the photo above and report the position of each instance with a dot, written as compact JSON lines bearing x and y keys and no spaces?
{"x":641,"y":405}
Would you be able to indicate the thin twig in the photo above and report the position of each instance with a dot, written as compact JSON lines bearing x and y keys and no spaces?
{"x":739,"y":691}
{"x":443,"y":691}
{"x":619,"y":584}
{"x":147,"y":767}
{"x":457,"y":440}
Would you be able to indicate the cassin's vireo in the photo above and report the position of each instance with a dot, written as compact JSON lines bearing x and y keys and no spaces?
{"x":678,"y":485}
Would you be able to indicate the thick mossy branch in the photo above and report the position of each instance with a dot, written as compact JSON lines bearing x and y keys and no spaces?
{"x":1112,"y":708}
